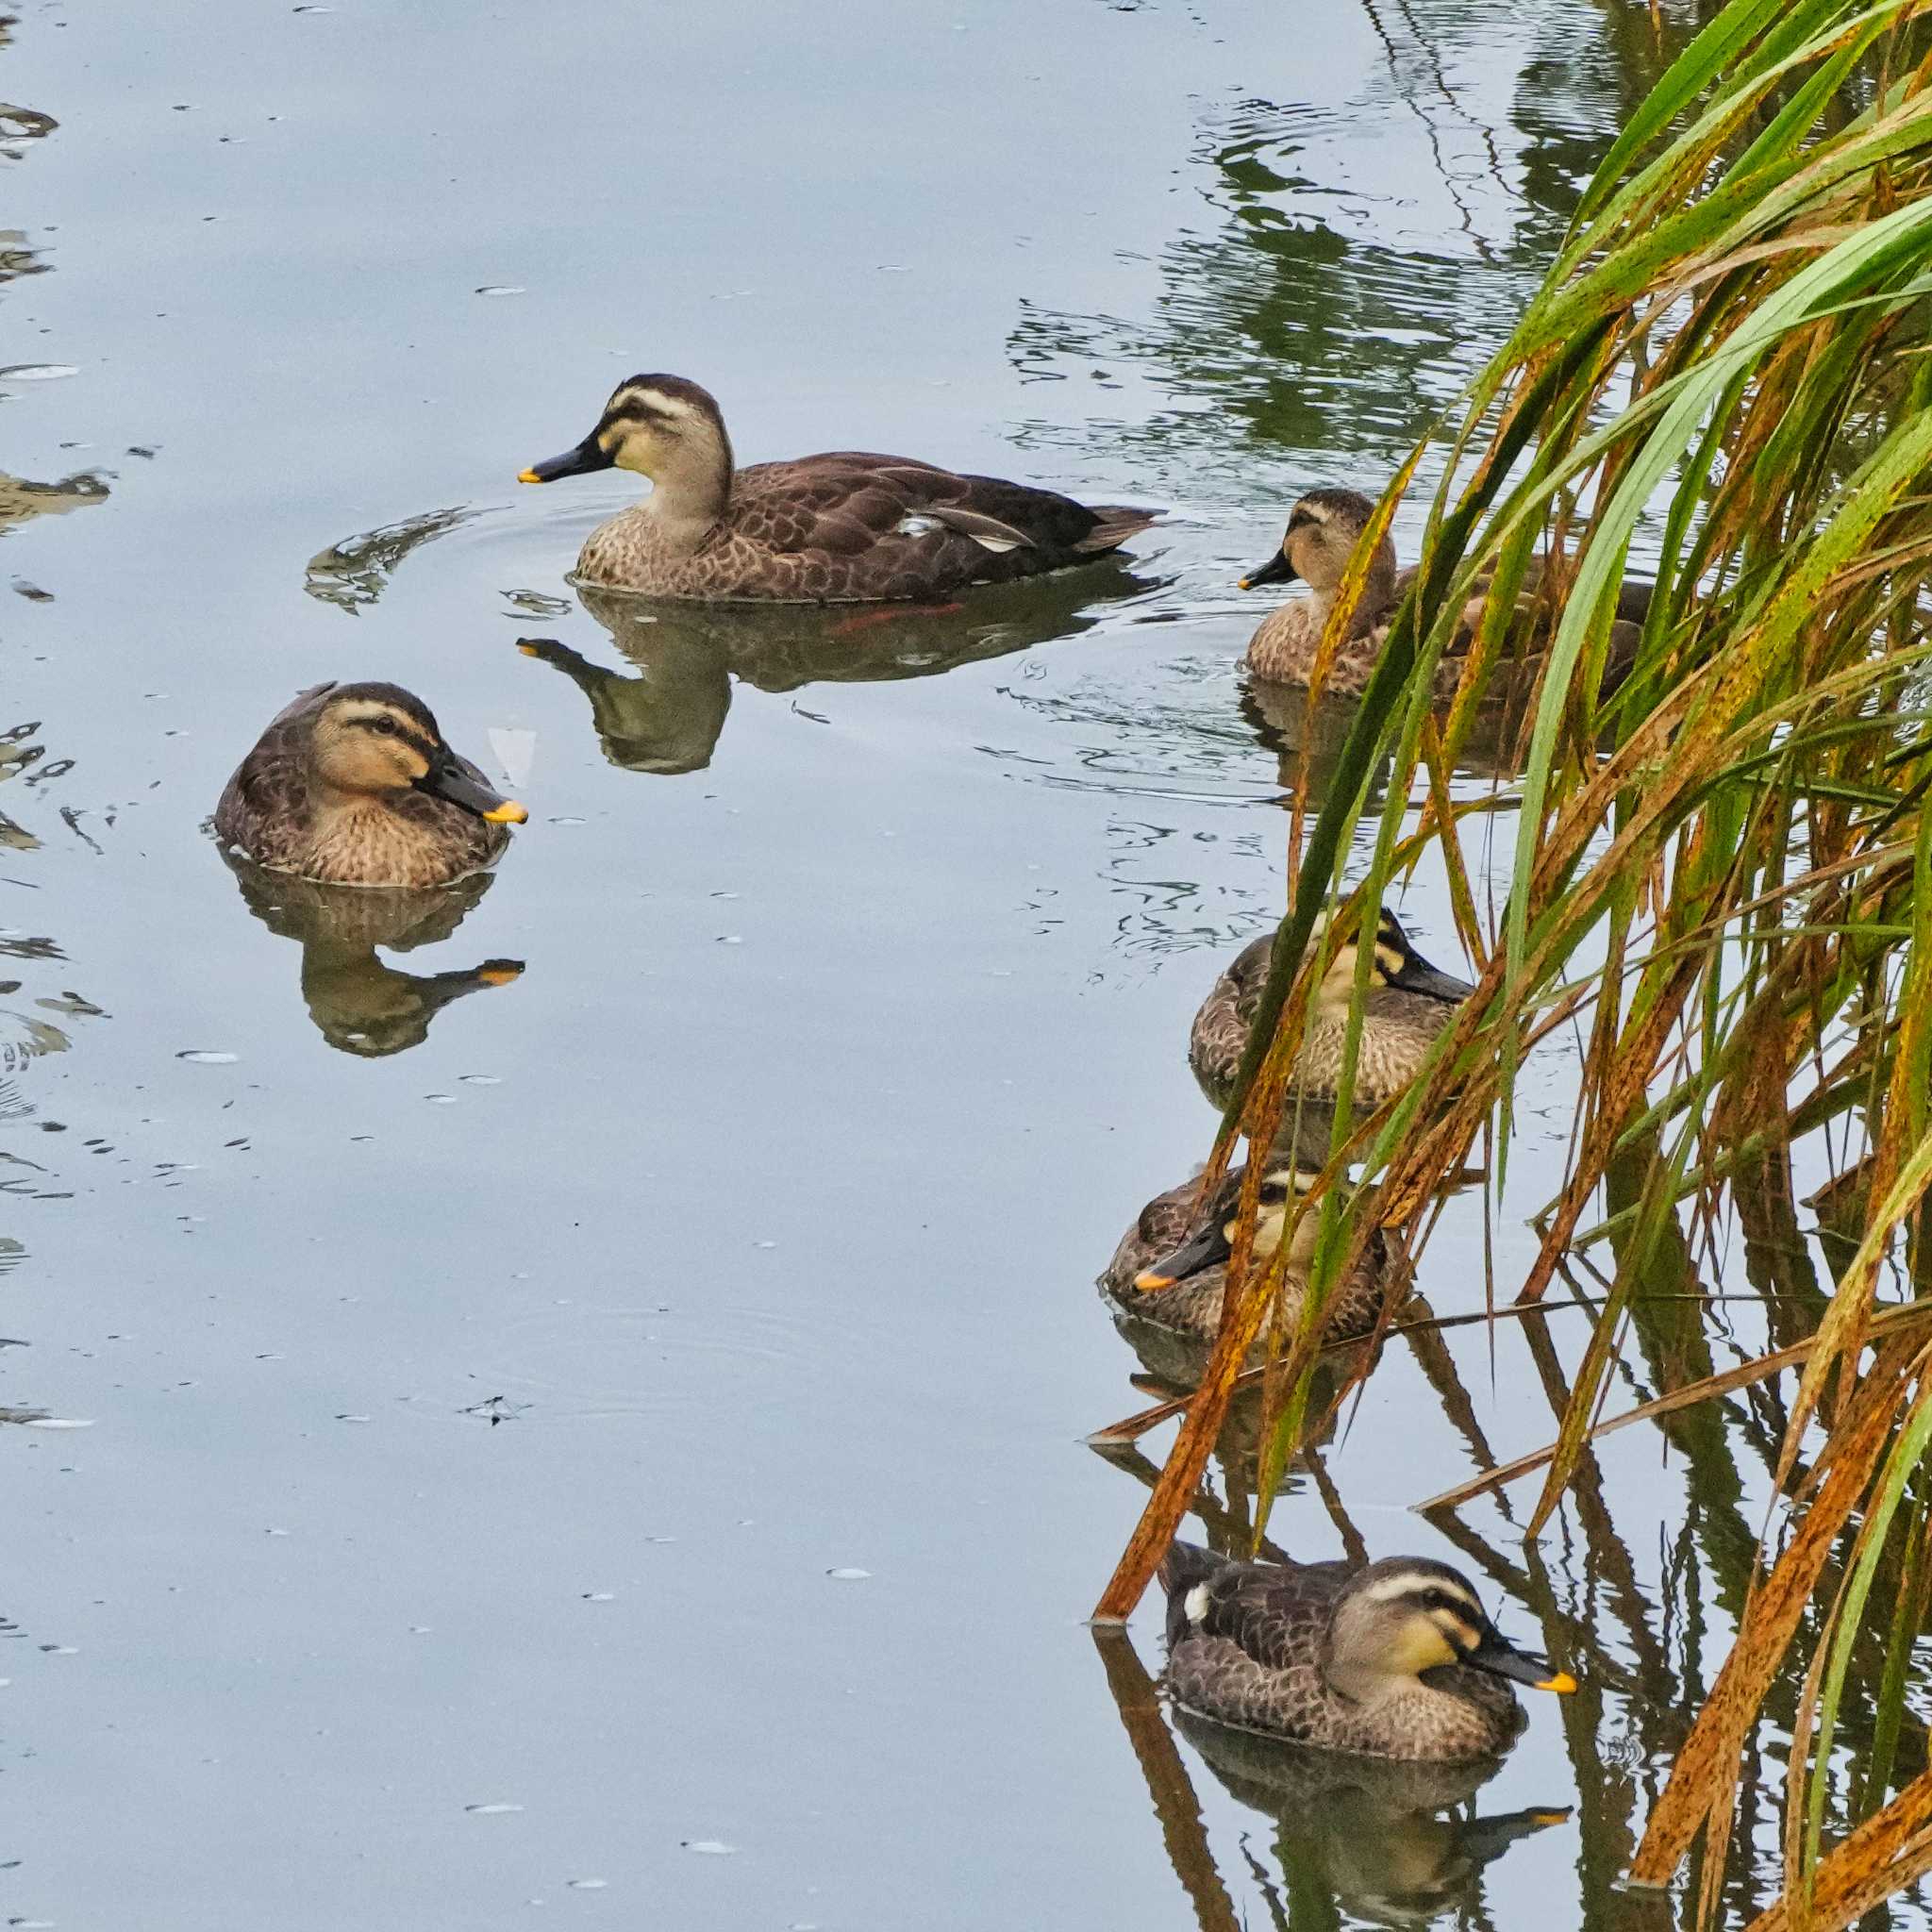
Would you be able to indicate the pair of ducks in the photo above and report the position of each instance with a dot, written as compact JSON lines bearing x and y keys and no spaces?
{"x":843,"y":526}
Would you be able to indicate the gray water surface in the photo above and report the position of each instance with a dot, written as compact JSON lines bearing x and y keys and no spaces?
{"x":602,"y":1441}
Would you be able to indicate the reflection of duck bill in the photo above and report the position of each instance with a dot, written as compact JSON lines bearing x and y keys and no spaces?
{"x":498,"y":972}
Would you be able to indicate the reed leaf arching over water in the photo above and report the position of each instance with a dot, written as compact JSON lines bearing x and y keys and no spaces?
{"x":1722,"y":868}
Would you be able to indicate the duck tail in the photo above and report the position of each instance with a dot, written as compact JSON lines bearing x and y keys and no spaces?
{"x":1114,"y":523}
{"x":1184,"y":1568}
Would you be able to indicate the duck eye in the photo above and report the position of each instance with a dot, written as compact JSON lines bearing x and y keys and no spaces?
{"x":386,"y":725}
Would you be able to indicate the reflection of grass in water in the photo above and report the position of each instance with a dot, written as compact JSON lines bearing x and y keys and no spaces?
{"x":1748,"y":952}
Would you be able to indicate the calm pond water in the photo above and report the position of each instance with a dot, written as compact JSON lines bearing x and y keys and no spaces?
{"x":603,"y":1442}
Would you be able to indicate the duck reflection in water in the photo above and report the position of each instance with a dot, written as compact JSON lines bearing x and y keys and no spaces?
{"x":360,"y":1004}
{"x":1357,"y":1841}
{"x":1392,"y":1845}
{"x":668,"y":719}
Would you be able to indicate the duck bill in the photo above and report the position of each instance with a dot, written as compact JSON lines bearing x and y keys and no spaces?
{"x":450,"y":781}
{"x":1418,"y":976}
{"x":1202,"y":1249}
{"x":1503,"y":1659}
{"x":589,"y":455}
{"x":1277,"y":570}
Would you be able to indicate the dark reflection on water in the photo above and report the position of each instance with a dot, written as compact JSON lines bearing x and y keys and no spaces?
{"x":1389,"y":1844}
{"x":361,"y":1004}
{"x":668,"y":719}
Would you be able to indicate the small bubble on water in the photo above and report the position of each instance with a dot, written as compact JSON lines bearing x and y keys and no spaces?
{"x":37,"y":371}
{"x":441,"y":1099}
{"x":61,"y":1649}
{"x":500,"y":288}
{"x":711,"y":1847}
{"x":600,"y":1596}
{"x":481,"y":1079}
{"x":566,"y":822}
{"x":730,"y":939}
{"x":489,"y":1810}
{"x":848,"y":1576}
{"x":56,"y":1422}
{"x":203,"y":1057}
{"x":587,"y":1884}
{"x":765,"y":1244}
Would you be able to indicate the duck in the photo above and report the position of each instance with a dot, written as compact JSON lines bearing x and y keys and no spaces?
{"x":1323,"y":529}
{"x":1171,"y":1267}
{"x":847,"y":527}
{"x":354,"y":785}
{"x":1396,"y":1658}
{"x":1409,"y":1003}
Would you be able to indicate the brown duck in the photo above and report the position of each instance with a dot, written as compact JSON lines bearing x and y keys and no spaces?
{"x":1389,"y":1659}
{"x":842,"y":528}
{"x":1409,"y":1002}
{"x":1322,"y":532}
{"x":1171,"y":1267}
{"x":352,"y":785}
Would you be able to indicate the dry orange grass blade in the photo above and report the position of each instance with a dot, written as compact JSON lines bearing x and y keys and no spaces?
{"x":1885,"y":1852}
{"x":1702,"y":1793}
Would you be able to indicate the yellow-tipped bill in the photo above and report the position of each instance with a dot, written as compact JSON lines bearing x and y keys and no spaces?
{"x":509,"y":813}
{"x":1151,"y":1281}
{"x":1563,"y":1683}
{"x":531,"y":476}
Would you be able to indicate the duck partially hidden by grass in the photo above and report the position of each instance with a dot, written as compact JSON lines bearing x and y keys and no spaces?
{"x":1389,"y":1659}
{"x":1171,"y":1267}
{"x":846,"y":526}
{"x":1322,"y":532}
{"x":1409,"y":1003}
{"x":352,"y":785}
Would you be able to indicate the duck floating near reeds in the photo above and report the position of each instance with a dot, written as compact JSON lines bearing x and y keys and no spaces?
{"x":846,"y":526}
{"x":1389,"y":1659}
{"x":354,"y":785}
{"x":1322,"y":532}
{"x":1409,"y":1003}
{"x":1171,"y":1267}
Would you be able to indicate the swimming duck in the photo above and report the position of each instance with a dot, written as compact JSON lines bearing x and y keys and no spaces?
{"x":1409,"y":1002}
{"x":352,"y":785}
{"x":1389,"y":1659}
{"x":842,"y":528}
{"x":1322,"y":532}
{"x":1171,"y":1267}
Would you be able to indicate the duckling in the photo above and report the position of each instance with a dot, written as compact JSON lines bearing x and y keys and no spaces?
{"x":842,"y":528}
{"x":1389,"y":1659}
{"x":352,"y":785}
{"x":1170,"y":1271}
{"x":1409,"y":1002}
{"x":1322,"y":532}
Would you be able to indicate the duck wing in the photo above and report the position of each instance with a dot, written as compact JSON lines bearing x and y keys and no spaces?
{"x":843,"y":501}
{"x":1276,"y":1613}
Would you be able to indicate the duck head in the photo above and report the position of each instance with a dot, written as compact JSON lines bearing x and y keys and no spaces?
{"x":660,"y":427}
{"x":1405,"y":1615}
{"x":1210,"y":1244}
{"x":1322,"y":532}
{"x":1397,"y":964}
{"x":378,"y":741}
